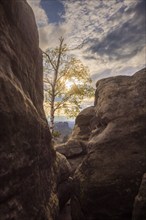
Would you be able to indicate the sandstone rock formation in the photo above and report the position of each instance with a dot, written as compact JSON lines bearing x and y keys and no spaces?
{"x":139,"y":212}
{"x":84,"y":124}
{"x":27,"y":176}
{"x":64,"y":180}
{"x":108,"y":179}
{"x":75,"y":148}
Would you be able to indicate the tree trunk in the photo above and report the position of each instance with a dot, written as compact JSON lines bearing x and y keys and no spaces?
{"x":52,"y":116}
{"x":56,"y":70}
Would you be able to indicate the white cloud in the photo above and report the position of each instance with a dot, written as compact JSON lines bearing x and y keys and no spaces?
{"x":50,"y":34}
{"x":40,"y":15}
{"x":91,"y":21}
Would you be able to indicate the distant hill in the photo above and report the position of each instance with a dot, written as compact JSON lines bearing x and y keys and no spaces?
{"x":71,"y":124}
{"x":64,"y":128}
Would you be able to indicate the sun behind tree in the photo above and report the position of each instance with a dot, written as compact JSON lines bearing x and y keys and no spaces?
{"x":66,"y":82}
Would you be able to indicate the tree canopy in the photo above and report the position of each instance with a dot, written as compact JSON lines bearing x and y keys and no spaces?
{"x":66,"y":82}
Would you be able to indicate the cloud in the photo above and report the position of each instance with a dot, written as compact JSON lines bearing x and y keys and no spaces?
{"x":113,"y":33}
{"x":49,"y":35}
{"x":125,"y":41}
{"x":40,"y":14}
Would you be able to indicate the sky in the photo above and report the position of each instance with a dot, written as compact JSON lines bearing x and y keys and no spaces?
{"x":112,"y":32}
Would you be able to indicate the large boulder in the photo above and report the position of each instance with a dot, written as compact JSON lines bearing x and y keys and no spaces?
{"x":71,"y":149}
{"x":27,"y":177}
{"x":83,"y":124}
{"x":108,"y":179}
{"x":75,"y":148}
{"x":64,"y":180}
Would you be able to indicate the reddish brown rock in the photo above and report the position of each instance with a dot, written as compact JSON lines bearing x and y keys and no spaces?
{"x":27,"y":178}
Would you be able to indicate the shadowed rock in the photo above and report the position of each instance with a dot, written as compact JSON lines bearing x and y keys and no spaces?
{"x":139,"y":212}
{"x":27,"y":177}
{"x":75,"y":148}
{"x":83,"y":124}
{"x":64,"y":180}
{"x":108,"y":179}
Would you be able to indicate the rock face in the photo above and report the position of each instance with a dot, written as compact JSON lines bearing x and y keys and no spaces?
{"x":84,"y":124}
{"x":108,"y":180}
{"x":75,"y":148}
{"x":64,"y":180}
{"x":139,"y":212}
{"x":27,"y":177}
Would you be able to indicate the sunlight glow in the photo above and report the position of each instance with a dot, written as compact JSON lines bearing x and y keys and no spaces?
{"x":68,"y":84}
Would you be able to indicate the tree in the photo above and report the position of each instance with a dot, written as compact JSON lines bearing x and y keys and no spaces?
{"x":66,"y":82}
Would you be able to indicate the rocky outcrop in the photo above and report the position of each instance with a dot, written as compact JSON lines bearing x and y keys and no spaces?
{"x":84,"y":123}
{"x":109,"y":177}
{"x":27,"y":176}
{"x":75,"y":148}
{"x":64,"y":180}
{"x":139,"y":212}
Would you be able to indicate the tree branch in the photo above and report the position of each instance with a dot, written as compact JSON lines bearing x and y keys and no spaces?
{"x":78,"y":47}
{"x":46,"y":80}
{"x":62,"y":102}
{"x":49,"y":92}
{"x":58,"y":60}
{"x":54,"y":67}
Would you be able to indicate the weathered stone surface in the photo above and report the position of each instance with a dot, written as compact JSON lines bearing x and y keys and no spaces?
{"x":65,"y":214}
{"x":108,"y":180}
{"x":27,"y":177}
{"x":63,"y":168}
{"x":139,"y":212}
{"x":83,"y":124}
{"x":75,"y":148}
{"x":64,"y":179}
{"x":72,"y":148}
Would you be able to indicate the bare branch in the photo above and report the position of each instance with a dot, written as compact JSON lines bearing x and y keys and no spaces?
{"x":65,"y":72}
{"x":59,"y":91}
{"x":52,"y":64}
{"x":58,"y":60}
{"x":61,"y":76}
{"x":49,"y":92}
{"x":46,"y":80}
{"x":46,"y":104}
{"x":65,"y":99}
{"x":78,"y":47}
